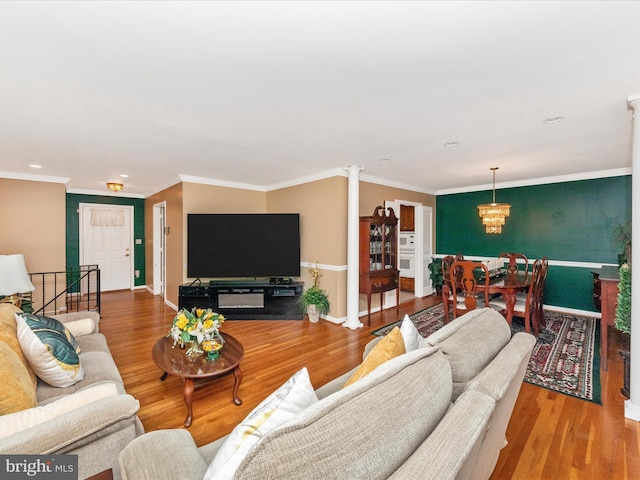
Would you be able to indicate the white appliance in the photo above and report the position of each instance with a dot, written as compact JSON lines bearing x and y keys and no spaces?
{"x":407,"y":265}
{"x":407,"y":242}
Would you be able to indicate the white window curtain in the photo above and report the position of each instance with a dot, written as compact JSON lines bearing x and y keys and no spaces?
{"x":107,"y":217}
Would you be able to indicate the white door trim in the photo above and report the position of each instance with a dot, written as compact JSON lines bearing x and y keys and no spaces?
{"x":159,"y":249}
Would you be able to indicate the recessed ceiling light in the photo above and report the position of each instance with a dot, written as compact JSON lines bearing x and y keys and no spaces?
{"x":35,"y":166}
{"x":385,"y":160}
{"x":452,"y":144}
{"x":124,"y":175}
{"x":553,"y":120}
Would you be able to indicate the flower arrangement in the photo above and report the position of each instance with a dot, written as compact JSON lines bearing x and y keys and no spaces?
{"x":200,"y":327}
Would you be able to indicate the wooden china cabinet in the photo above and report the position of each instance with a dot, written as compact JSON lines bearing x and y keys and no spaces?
{"x":379,"y":256}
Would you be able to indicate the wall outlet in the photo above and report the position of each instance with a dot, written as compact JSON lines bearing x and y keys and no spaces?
{"x":137,"y":273}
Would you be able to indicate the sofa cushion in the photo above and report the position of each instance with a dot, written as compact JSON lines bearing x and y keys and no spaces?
{"x":470,"y":342}
{"x":18,"y":392}
{"x":9,"y":335}
{"x":30,"y":417}
{"x":50,"y":354}
{"x":83,"y":326}
{"x":397,"y":406}
{"x":98,"y":367}
{"x":282,"y":405}
{"x":389,"y":347}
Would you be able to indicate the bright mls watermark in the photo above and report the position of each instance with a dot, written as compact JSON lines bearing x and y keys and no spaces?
{"x":39,"y":467}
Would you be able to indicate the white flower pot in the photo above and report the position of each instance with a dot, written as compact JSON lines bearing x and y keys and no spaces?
{"x":314,"y":315}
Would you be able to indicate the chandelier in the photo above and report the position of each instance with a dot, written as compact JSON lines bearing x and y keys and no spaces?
{"x":493,"y":214}
{"x":114,"y":187}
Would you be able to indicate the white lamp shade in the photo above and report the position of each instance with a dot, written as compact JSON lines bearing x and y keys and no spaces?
{"x":13,"y":275}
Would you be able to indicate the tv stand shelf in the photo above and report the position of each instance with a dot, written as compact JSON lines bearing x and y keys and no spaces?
{"x":244,"y":300}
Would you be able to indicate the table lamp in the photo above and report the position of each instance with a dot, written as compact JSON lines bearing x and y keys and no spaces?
{"x":14,"y":279}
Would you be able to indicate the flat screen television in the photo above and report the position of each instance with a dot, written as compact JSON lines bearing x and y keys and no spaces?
{"x":226,"y":245}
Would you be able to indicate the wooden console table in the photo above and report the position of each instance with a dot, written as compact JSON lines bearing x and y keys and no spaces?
{"x":608,"y":279}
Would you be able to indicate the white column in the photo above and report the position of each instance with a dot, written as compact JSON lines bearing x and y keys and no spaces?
{"x":353,"y":212}
{"x":632,"y":406}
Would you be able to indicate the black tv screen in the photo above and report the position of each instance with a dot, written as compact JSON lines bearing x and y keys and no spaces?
{"x":222,"y":245}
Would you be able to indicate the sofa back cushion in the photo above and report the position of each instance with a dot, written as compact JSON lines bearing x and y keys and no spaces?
{"x":18,"y":391}
{"x":9,"y":335}
{"x":396,"y":406}
{"x":470,"y":342}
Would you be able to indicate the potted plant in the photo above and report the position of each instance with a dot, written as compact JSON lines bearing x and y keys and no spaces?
{"x":435,"y":274}
{"x":623,"y":233}
{"x":314,"y":301}
{"x":623,"y":320}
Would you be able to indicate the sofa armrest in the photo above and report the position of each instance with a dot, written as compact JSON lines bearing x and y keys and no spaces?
{"x":74,"y":429}
{"x":75,"y":316}
{"x":162,"y":455}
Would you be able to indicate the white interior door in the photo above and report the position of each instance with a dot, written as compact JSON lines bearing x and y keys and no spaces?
{"x":106,"y":238}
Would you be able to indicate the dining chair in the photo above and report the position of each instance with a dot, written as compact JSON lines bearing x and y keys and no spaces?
{"x":471,"y":279}
{"x":447,"y":289}
{"x":540,"y":293}
{"x":527,"y":306}
{"x":513,"y":261}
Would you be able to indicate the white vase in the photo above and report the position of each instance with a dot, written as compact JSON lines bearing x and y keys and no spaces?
{"x":312,"y":312}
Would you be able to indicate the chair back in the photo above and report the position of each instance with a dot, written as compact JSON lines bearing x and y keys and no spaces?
{"x":539,"y":300}
{"x":471,"y":279}
{"x":513,"y":267}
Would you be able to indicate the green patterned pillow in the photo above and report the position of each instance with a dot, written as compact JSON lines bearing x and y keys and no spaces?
{"x":50,"y":350}
{"x":53,"y":325}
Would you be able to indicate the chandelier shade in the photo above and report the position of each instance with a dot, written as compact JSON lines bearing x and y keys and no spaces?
{"x":494,"y":214}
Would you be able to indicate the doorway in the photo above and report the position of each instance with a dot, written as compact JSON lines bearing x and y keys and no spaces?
{"x":106,"y":240}
{"x":421,"y":252}
{"x":159,"y":250}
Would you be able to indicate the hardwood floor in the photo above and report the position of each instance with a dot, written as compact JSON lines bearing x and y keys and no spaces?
{"x":551,"y":436}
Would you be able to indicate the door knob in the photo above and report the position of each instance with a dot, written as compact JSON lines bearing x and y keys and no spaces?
{"x":127,"y":255}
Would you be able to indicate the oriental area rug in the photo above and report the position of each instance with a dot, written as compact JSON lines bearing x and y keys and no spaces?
{"x":565,"y":359}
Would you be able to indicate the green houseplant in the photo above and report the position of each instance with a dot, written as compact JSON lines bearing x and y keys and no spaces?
{"x":623,"y":322}
{"x":314,"y":300}
{"x":435,"y":274}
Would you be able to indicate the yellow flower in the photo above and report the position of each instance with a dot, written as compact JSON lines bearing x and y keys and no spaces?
{"x":207,"y":324}
{"x":199,"y":312}
{"x":182,"y":321}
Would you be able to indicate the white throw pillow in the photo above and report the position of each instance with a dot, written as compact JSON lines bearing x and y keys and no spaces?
{"x":283,"y":404}
{"x":19,"y":421}
{"x":78,"y":328}
{"x":48,"y":350}
{"x":410,"y":335}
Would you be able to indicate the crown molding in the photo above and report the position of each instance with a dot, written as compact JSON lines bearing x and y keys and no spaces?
{"x":102,"y":193}
{"x":36,"y":178}
{"x":221,"y":183}
{"x":618,"y":172}
{"x":390,"y":183}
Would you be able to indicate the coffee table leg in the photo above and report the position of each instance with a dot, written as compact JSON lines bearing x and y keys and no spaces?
{"x":164,"y":375}
{"x":238,"y":378}
{"x":188,"y":391}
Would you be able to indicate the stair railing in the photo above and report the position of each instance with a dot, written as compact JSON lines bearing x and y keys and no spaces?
{"x":75,"y":289}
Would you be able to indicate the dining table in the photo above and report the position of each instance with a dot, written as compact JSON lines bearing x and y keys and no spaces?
{"x":508,"y":284}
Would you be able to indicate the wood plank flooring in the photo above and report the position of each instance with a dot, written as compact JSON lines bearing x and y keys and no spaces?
{"x":551,"y":436}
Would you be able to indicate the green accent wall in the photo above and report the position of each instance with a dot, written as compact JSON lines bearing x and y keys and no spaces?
{"x":566,"y":222}
{"x":73,"y":202}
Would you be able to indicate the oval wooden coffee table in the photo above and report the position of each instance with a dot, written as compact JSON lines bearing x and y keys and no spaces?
{"x":197,"y":369}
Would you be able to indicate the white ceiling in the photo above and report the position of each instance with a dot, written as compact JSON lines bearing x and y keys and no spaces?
{"x":265,"y":93}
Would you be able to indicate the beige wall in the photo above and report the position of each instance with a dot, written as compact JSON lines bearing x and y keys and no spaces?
{"x":173,"y":196}
{"x":33,"y":223}
{"x":322,"y":206}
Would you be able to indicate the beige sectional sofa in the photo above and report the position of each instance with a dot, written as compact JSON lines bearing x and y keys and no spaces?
{"x":437,"y":412}
{"x":94,"y":418}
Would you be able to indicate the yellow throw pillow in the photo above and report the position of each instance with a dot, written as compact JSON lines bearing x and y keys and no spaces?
{"x":9,"y":335}
{"x":18,"y":392}
{"x":392,"y":345}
